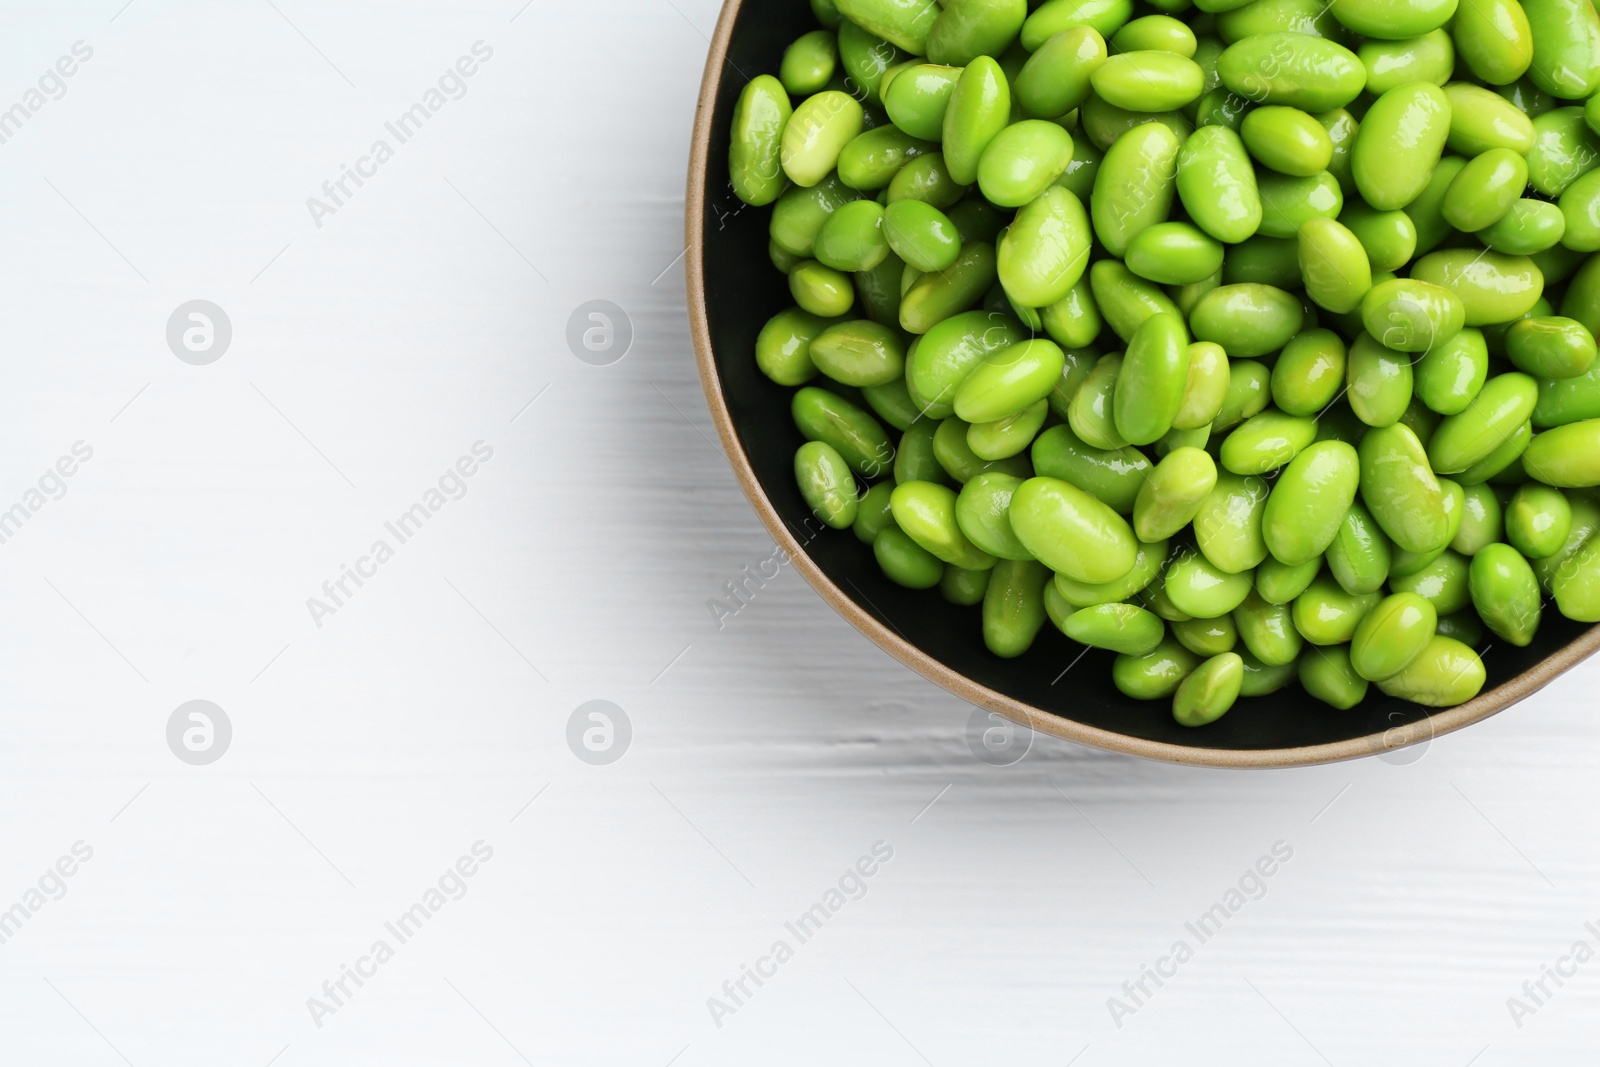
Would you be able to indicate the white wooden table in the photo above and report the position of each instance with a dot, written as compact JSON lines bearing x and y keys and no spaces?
{"x":612,"y":909}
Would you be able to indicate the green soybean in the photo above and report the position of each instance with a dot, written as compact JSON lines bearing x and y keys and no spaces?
{"x":1013,"y":607}
{"x":1360,"y":555}
{"x":1287,"y":140}
{"x":1008,"y":436}
{"x":1450,"y":375}
{"x":1227,"y":525}
{"x":1125,"y":299}
{"x":1390,"y":64}
{"x":1267,"y":631}
{"x":1171,"y":494}
{"x":1445,"y":674}
{"x":1566,"y":47}
{"x":1288,"y":203}
{"x":1090,"y":414}
{"x":921,"y":235}
{"x":1148,"y":80}
{"x":1549,"y":346}
{"x":808,"y":64}
{"x":1388,"y":237}
{"x":915,"y":459}
{"x":1267,"y":441}
{"x":1528,"y":227}
{"x":1054,"y":16}
{"x":1494,"y":39}
{"x":1292,"y":69}
{"x":1392,"y":635}
{"x":1408,"y":315}
{"x":905,"y":562}
{"x":1564,"y":149}
{"x":1147,"y":566}
{"x":1260,"y":679}
{"x":1055,"y":79}
{"x":1218,"y":185}
{"x":755,"y":153}
{"x":1279,"y":583}
{"x":1151,"y":380}
{"x":1023,"y":161}
{"x":1327,"y":615}
{"x":816,"y":134}
{"x":978,"y":110}
{"x":783,"y":347}
{"x":1309,"y":373}
{"x":1206,"y":387}
{"x":1334,"y":264}
{"x":1135,"y":185}
{"x":1505,"y":593}
{"x":926,"y":511}
{"x":1307,"y":505}
{"x":1123,"y":628}
{"x":1207,"y":693}
{"x":824,"y":416}
{"x":1503,"y":404}
{"x":852,"y":238}
{"x":956,"y":458}
{"x":1538,"y":519}
{"x":1009,"y":380}
{"x":1073,"y":321}
{"x":965,"y":587}
{"x":904,"y":23}
{"x":1443,"y":583}
{"x":872,"y":159}
{"x":826,"y":484}
{"x":1249,"y":389}
{"x":1154,"y":675}
{"x":1482,"y":521}
{"x":1113,"y":475}
{"x":1567,"y":456}
{"x":1200,"y":589}
{"x":936,"y":296}
{"x":1327,"y":674}
{"x":1399,"y":143}
{"x":872,"y":513}
{"x":1247,"y":320}
{"x":1071,"y":531}
{"x":1400,"y":488}
{"x":1485,"y":189}
{"x":1044,"y":253}
{"x":1575,"y":584}
{"x":859,"y":353}
{"x":972,"y":29}
{"x":925,"y":178}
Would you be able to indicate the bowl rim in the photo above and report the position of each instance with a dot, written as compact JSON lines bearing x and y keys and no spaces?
{"x":1432,"y":725}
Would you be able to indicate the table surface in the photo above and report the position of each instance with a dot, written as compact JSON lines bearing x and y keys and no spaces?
{"x":796,"y":859}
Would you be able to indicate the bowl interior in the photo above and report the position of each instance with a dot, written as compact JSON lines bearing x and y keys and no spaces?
{"x":1068,"y":683}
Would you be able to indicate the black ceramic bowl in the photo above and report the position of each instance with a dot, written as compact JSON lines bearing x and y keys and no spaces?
{"x":1057,"y":687}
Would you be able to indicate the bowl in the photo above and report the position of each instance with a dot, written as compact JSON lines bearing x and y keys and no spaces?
{"x":1057,"y":687}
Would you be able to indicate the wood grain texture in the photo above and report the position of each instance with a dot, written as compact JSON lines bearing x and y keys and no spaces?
{"x":767,"y":756}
